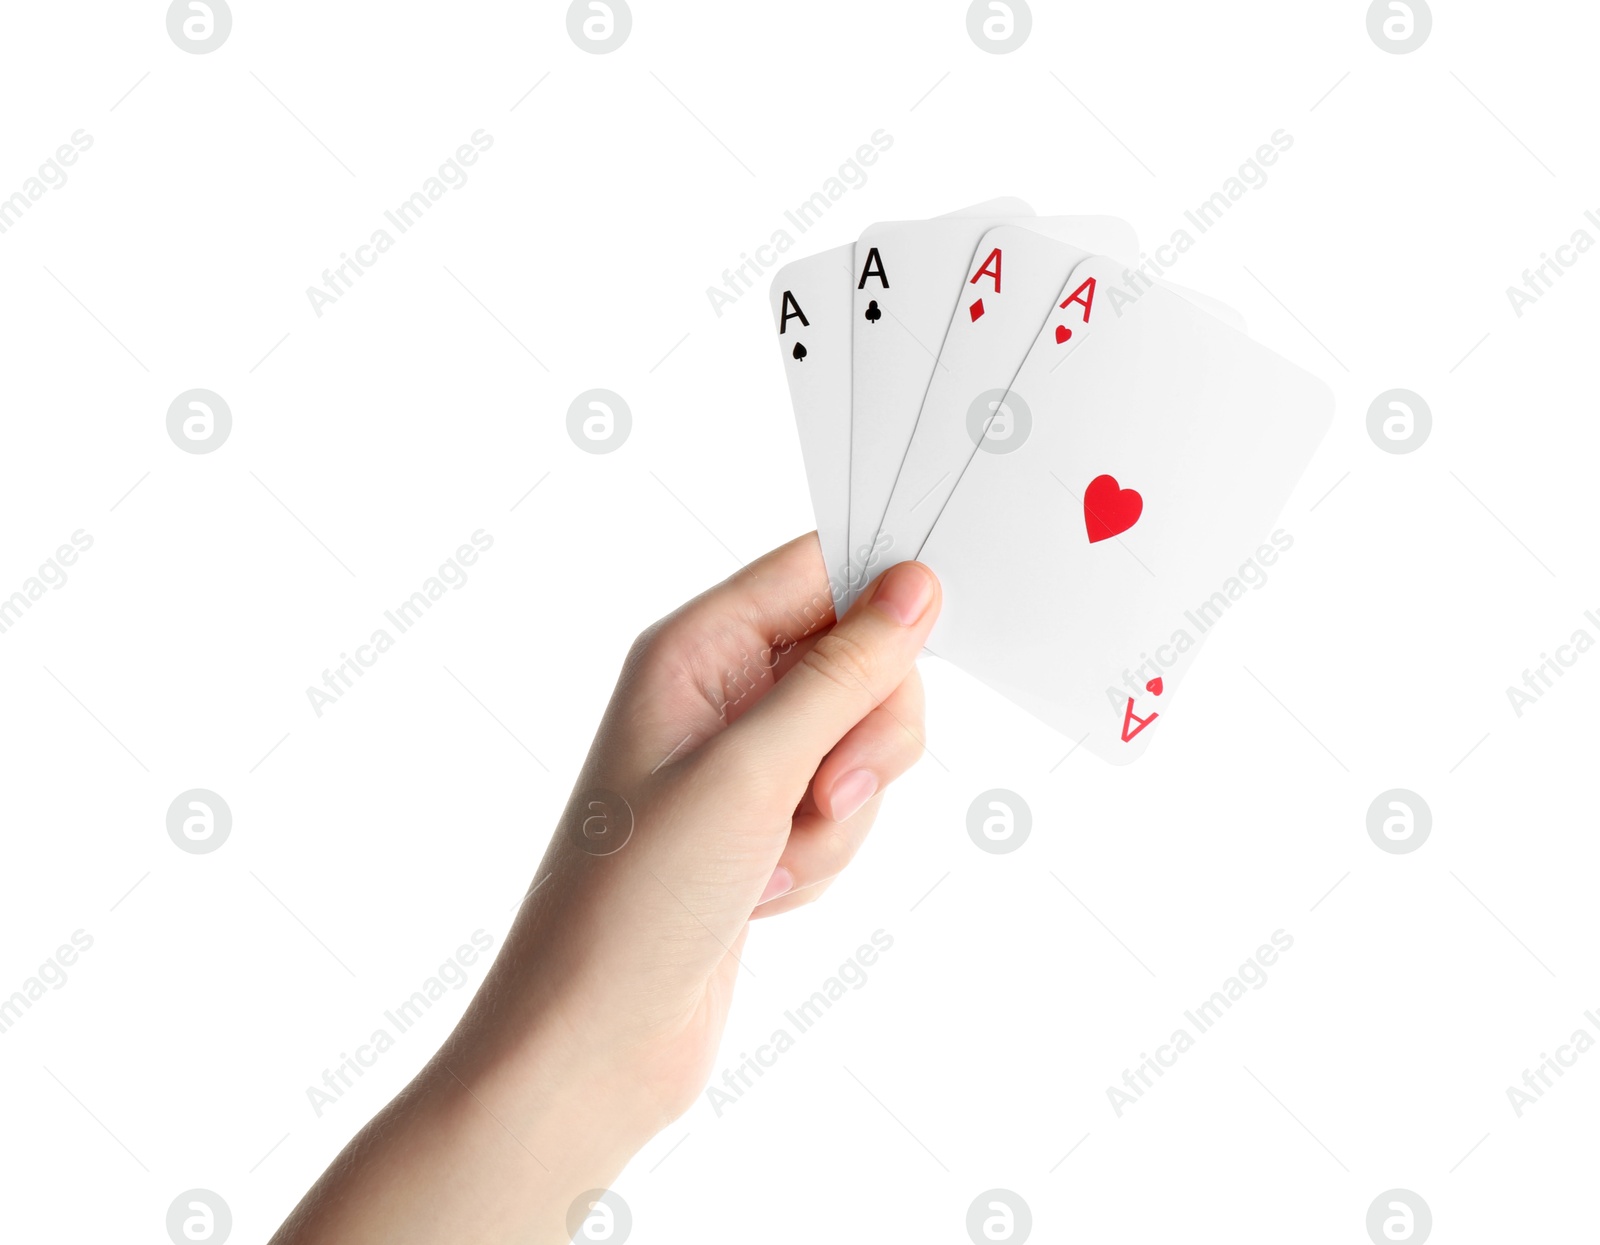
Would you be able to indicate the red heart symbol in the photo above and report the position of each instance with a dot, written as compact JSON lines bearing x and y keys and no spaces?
{"x":1062,"y":333}
{"x":1154,"y":686}
{"x":1109,"y":509}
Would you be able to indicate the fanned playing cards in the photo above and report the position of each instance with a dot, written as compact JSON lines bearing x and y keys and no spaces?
{"x":1081,"y":452}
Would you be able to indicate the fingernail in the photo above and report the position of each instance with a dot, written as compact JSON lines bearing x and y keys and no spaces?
{"x":904,"y":593}
{"x":851,"y":792}
{"x":781,"y":882}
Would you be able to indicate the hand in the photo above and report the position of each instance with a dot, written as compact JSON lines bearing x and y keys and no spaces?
{"x":736,"y":772}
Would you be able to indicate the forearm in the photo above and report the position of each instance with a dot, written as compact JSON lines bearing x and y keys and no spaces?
{"x":480,"y":1147}
{"x":600,"y":1018}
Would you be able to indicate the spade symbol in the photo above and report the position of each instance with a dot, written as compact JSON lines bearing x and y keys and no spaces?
{"x":799,"y":351}
{"x":873,"y":314}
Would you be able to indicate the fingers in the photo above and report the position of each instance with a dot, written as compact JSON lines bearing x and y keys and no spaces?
{"x":876,"y":751}
{"x":818,"y":851}
{"x":751,"y":620}
{"x":846,"y":674}
{"x":784,"y":591}
{"x":709,"y":661}
{"x":834,"y":821}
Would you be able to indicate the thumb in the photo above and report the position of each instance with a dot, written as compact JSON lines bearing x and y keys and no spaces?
{"x":848,"y":672}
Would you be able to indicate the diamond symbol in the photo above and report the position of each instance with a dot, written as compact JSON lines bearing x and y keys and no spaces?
{"x":976,"y":309}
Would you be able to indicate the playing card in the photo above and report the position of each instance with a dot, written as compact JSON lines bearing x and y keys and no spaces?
{"x":909,"y":277}
{"x":1015,"y":280}
{"x":1214,"y":308}
{"x":1011,"y":284}
{"x":1086,"y":556}
{"x":811,"y":303}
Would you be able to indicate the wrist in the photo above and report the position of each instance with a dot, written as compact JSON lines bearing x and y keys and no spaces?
{"x":475,"y":1148}
{"x":572,"y":1111}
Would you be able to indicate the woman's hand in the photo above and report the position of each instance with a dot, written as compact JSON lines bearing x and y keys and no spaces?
{"x":736,"y":772}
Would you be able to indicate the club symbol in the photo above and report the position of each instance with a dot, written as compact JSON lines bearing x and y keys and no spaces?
{"x":872,"y":313}
{"x":976,"y":309}
{"x":799,"y":351}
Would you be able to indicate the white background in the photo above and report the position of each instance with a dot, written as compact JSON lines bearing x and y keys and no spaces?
{"x":369,"y":843}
